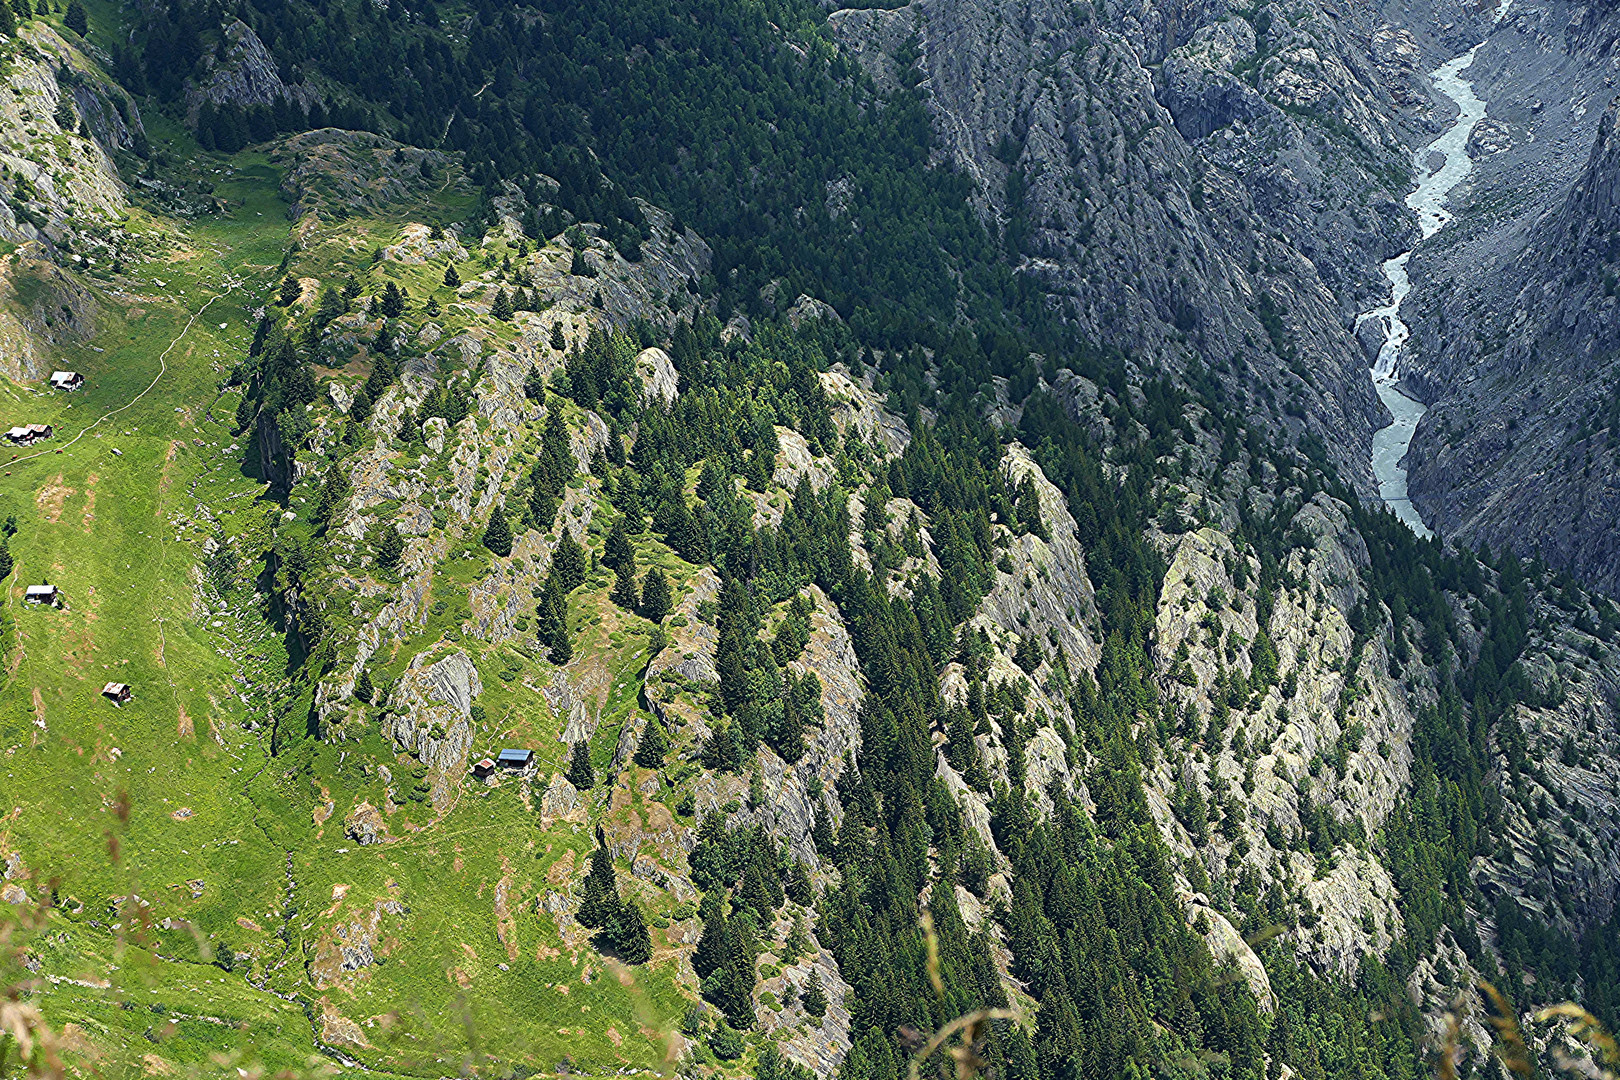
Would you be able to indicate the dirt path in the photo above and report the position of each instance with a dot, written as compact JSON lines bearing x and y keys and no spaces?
{"x":231,"y":285}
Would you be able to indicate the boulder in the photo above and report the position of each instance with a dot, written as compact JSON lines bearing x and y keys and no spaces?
{"x":365,"y":825}
{"x":657,"y":373}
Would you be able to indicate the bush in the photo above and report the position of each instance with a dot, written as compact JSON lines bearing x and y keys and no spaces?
{"x":726,"y":1043}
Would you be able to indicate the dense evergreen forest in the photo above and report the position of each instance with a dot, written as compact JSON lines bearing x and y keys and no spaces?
{"x":741,"y":120}
{"x":738,"y":117}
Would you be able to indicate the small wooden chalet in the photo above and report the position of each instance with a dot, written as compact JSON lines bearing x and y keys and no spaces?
{"x":483,"y":768}
{"x":40,"y":594}
{"x":515,"y":759}
{"x":28,"y":434}
{"x":66,"y":380}
{"x":116,"y":692}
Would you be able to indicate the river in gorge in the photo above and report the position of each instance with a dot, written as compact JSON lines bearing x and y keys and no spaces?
{"x":1428,"y":201}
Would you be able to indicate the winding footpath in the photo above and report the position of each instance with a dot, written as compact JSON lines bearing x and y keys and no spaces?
{"x":163,"y":369}
{"x":1428,"y":201}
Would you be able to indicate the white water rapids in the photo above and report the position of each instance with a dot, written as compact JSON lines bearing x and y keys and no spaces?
{"x":1428,"y":201}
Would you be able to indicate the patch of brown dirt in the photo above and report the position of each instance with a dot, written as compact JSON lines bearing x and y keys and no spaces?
{"x":51,"y":497}
{"x":39,"y":707}
{"x":562,"y":869}
{"x":75,"y":1039}
{"x":185,"y":728}
{"x":505,"y":924}
{"x":167,"y":478}
{"x":90,"y":500}
{"x":658,"y":817}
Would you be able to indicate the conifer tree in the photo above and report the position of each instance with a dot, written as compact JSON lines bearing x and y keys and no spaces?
{"x":680,"y":529}
{"x":75,"y":19}
{"x":1028,"y":654}
{"x":334,"y":489}
{"x":568,"y":563}
{"x":392,"y":304}
{"x":618,"y":552}
{"x":624,"y":591}
{"x":558,"y":341}
{"x":797,"y":942}
{"x":501,"y":307}
{"x":289,"y":291}
{"x":814,"y":997}
{"x":551,"y":614}
{"x":562,"y":650}
{"x":498,"y":533}
{"x":655,"y":595}
{"x":1028,"y":508}
{"x":787,"y":732}
{"x":390,"y":546}
{"x":452,"y":280}
{"x":821,"y":832}
{"x":579,"y":267}
{"x":580,"y":773}
{"x":600,"y":902}
{"x":628,"y":932}
{"x":653,"y":746}
{"x":363,"y":690}
{"x":710,"y":951}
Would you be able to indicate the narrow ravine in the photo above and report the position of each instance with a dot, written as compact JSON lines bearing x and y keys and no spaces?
{"x":1428,"y":201}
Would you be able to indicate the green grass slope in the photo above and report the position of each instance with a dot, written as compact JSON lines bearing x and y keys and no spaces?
{"x":171,"y":844}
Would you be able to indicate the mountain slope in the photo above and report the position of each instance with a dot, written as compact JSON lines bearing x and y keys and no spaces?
{"x":1196,"y":188}
{"x":812,"y":626}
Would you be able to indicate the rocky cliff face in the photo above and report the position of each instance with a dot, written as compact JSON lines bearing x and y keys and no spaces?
{"x":244,"y":74}
{"x":1193,"y":183}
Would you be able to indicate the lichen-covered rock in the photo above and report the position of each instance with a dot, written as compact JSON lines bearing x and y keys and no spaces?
{"x":416,"y":245}
{"x":365,"y":825}
{"x":335,"y":172}
{"x":808,"y":308}
{"x":1225,"y":943}
{"x":818,"y":1045}
{"x":63,"y":185}
{"x":351,"y":942}
{"x":656,"y":371}
{"x":856,"y":404}
{"x":1048,"y":593}
{"x":244,"y":75}
{"x":1244,"y":177}
{"x":788,"y":810}
{"x":561,"y":799}
{"x":794,"y":461}
{"x":430,"y":715}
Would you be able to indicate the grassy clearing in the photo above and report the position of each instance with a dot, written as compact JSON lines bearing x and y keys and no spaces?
{"x":212,"y":819}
